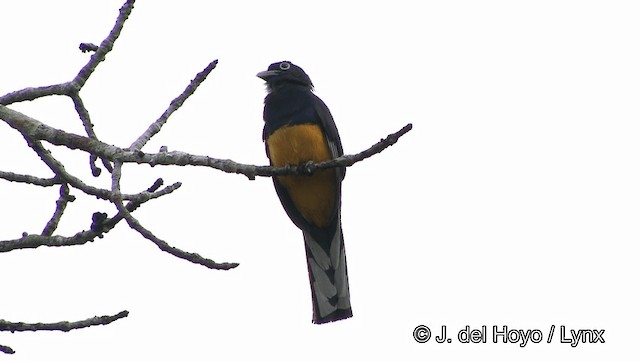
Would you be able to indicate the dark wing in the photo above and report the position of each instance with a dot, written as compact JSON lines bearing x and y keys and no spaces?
{"x":330,"y":130}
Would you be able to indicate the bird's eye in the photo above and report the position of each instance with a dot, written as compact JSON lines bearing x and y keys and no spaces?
{"x":285,"y":66}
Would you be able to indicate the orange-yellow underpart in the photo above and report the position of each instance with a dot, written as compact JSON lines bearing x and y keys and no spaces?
{"x":313,"y":196}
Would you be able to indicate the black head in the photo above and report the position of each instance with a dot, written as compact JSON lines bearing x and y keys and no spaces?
{"x":283,"y":73}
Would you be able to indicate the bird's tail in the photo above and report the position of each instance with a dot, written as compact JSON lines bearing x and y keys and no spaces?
{"x":327,"y":264}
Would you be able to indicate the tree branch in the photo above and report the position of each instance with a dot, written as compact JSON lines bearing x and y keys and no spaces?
{"x":105,"y":47}
{"x":36,"y":240}
{"x":83,"y":113}
{"x":164,"y":246}
{"x":61,"y":204}
{"x":58,"y":168}
{"x":25,"y":178}
{"x":97,"y":229}
{"x":34,"y":93}
{"x":6,"y":349}
{"x":35,"y":129}
{"x":65,"y":326}
{"x":78,"y":82}
{"x":343,"y":161}
{"x":175,"y":104}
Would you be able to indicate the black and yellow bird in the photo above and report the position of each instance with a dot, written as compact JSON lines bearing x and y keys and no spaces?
{"x":298,"y":129}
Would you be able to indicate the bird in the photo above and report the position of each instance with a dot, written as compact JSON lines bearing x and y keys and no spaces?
{"x":299,"y":128}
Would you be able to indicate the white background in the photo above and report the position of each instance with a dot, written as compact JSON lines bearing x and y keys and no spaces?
{"x":514,"y":201}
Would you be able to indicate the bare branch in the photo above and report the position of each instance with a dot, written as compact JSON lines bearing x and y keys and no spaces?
{"x":25,"y":178}
{"x":148,"y":195}
{"x":95,"y":170}
{"x":61,"y":204}
{"x":58,"y":168}
{"x":87,"y":47}
{"x":173,"y":106}
{"x":349,"y":160}
{"x":65,"y":326}
{"x":34,"y":93}
{"x":36,"y":240}
{"x":189,"y":256}
{"x":78,"y":82}
{"x":6,"y":349}
{"x":97,"y":230}
{"x":37,"y":130}
{"x":83,"y":113}
{"x":104,"y":48}
{"x":101,"y":224}
{"x":164,"y":246}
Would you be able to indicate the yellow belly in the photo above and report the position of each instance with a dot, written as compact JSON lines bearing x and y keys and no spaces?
{"x":313,"y":196}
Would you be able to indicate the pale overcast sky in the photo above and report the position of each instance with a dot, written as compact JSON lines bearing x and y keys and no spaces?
{"x":513,"y":201}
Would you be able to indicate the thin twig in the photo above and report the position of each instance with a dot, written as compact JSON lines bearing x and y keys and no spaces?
{"x":65,"y":326}
{"x":148,"y":195}
{"x":95,"y":170}
{"x":7,"y":350}
{"x":175,"y":104}
{"x":189,"y":256}
{"x":35,"y":240}
{"x":104,"y":48}
{"x":78,"y":82}
{"x":58,"y":168}
{"x":61,"y":204}
{"x":164,"y":246}
{"x":87,"y":47}
{"x":83,"y":113}
{"x":349,"y":160}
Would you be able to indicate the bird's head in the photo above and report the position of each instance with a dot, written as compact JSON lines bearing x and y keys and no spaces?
{"x":283,"y":73}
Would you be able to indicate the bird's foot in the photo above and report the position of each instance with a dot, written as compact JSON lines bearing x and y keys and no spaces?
{"x":306,"y":168}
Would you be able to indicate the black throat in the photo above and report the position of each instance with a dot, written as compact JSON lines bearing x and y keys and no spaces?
{"x":287,"y":104}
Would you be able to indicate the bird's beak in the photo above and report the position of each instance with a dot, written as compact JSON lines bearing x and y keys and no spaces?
{"x":265,"y":75}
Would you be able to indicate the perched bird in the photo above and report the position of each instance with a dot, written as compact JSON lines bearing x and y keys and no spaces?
{"x":299,"y":128}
